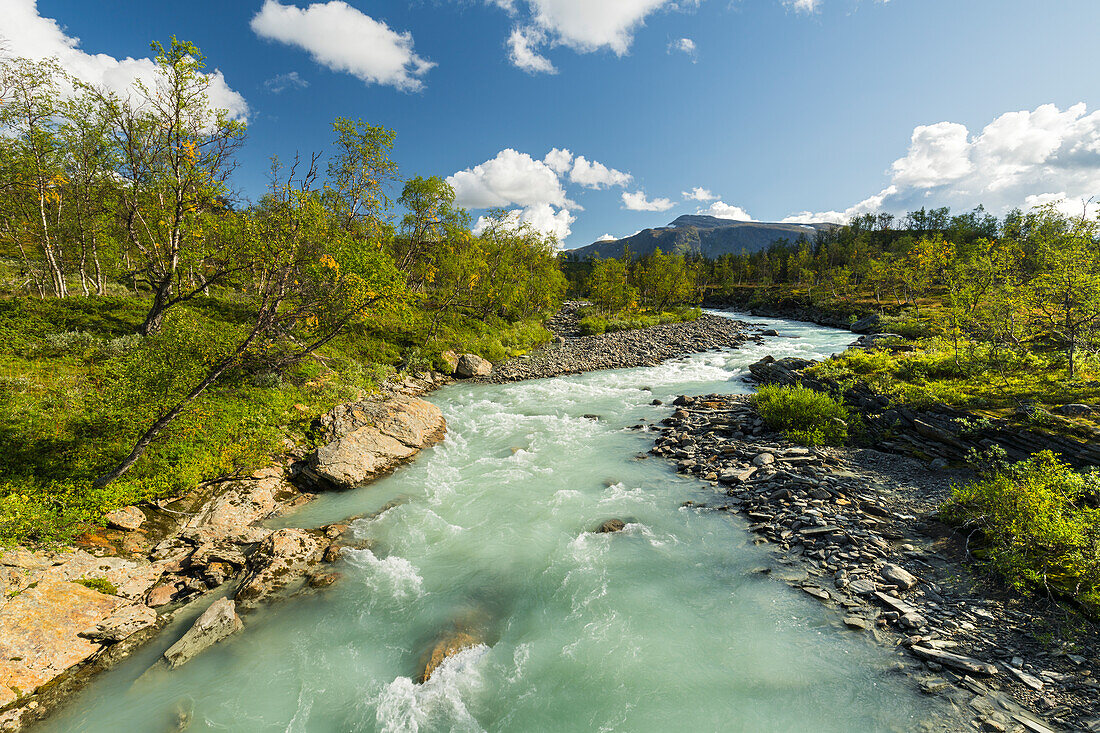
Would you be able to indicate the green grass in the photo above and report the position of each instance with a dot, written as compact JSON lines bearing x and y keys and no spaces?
{"x":803,"y":415}
{"x":77,"y":388}
{"x":1038,"y":526}
{"x":593,"y":323}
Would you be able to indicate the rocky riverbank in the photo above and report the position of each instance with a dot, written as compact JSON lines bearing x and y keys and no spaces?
{"x":857,"y":530}
{"x":68,"y":614}
{"x":572,"y":353}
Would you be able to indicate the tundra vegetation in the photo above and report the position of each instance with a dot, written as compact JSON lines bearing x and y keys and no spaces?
{"x":158,"y":331}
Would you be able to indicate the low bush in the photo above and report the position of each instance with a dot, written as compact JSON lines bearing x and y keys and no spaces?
{"x":803,"y":415}
{"x":1036,"y":525}
{"x":594,"y":323}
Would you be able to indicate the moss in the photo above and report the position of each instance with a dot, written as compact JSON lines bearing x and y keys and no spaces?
{"x":98,"y":584}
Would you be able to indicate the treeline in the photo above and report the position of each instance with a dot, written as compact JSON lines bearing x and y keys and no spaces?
{"x":120,"y":211}
{"x":1025,"y":281}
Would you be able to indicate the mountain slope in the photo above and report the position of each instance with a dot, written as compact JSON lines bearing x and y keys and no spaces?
{"x":706,"y":235}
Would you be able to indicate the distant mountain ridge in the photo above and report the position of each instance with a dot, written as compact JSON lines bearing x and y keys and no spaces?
{"x":706,"y":235}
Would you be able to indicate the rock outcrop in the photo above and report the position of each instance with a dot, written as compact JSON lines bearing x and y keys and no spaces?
{"x":39,"y":633}
{"x":278,"y":566}
{"x":369,"y":439}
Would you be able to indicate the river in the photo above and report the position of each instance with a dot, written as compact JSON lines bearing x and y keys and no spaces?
{"x":663,"y":627}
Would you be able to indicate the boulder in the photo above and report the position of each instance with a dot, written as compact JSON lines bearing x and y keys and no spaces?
{"x":127,"y":518}
{"x":875,"y":341}
{"x":472,"y":365}
{"x":1073,"y":410}
{"x":447,"y":647}
{"x":217,"y":622}
{"x":778,"y":371}
{"x":769,"y":332}
{"x":39,"y":633}
{"x":611,"y":525}
{"x":279,"y":563}
{"x":763,"y":459}
{"x":368,"y":439}
{"x":899,"y":576}
{"x":868,"y":324}
{"x":121,"y":623}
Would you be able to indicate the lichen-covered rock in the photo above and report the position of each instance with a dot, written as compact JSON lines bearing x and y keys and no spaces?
{"x":217,"y":622}
{"x":127,"y":518}
{"x":472,"y":365}
{"x":279,"y":564}
{"x":38,"y":633}
{"x":121,"y":623}
{"x":369,"y":439}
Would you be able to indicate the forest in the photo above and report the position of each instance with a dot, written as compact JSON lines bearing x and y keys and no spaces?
{"x":158,"y":330}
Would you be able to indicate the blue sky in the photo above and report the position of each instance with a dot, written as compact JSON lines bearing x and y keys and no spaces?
{"x":813,"y":109}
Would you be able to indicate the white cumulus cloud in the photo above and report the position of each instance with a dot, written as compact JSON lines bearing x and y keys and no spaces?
{"x":592,"y":174}
{"x":607,"y":238}
{"x":722,"y":210}
{"x":344,"y":39}
{"x":637,"y":201}
{"x":522,"y":45}
{"x":559,"y":160}
{"x":1020,"y":159}
{"x":583,"y":25}
{"x":25,"y":33}
{"x":699,"y":194}
{"x":803,"y":6}
{"x":512,"y":178}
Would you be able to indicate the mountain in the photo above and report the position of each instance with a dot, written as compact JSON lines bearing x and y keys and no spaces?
{"x":707,"y":235}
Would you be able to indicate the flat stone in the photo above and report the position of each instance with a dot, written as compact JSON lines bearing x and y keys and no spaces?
{"x":862,"y":587}
{"x":763,"y":459}
{"x":121,"y":623}
{"x":855,"y":622}
{"x":39,"y":633}
{"x":217,"y":622}
{"x":955,"y":661}
{"x":899,"y":576}
{"x":162,"y":595}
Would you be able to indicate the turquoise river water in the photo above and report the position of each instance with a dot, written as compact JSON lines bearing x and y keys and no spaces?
{"x":663,"y":627}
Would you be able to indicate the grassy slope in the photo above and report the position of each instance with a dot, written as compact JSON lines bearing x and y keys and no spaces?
{"x":74,"y":396}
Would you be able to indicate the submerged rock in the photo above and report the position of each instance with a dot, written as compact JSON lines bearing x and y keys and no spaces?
{"x":611,"y":525}
{"x":447,"y":647}
{"x":216,"y":623}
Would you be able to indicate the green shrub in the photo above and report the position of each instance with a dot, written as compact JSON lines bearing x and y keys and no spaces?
{"x":1036,"y":526}
{"x":803,"y":415}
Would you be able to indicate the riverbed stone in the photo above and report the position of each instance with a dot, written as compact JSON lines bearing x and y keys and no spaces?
{"x":611,"y":525}
{"x":899,"y":576}
{"x":216,"y":623}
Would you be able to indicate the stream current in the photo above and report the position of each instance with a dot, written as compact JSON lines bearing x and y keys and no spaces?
{"x":662,"y":627}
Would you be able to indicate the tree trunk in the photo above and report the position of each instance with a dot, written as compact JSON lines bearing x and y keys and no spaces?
{"x":155,"y":318}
